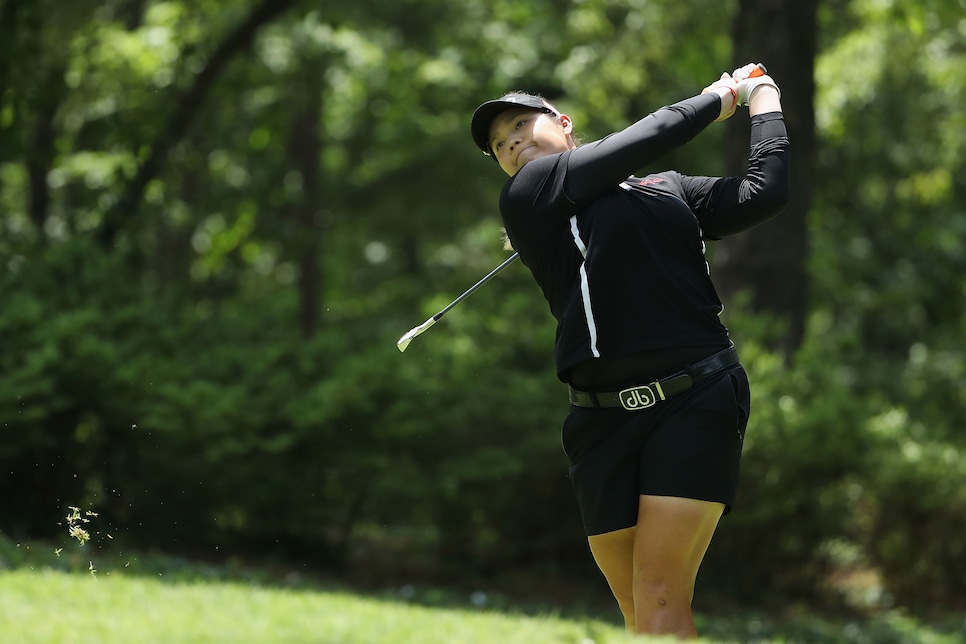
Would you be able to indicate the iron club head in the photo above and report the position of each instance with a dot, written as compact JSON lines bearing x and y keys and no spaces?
{"x":404,"y":341}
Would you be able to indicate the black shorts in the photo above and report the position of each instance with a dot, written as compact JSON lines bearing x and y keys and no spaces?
{"x":686,"y":446}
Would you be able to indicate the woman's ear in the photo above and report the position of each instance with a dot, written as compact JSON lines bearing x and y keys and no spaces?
{"x":566,"y":124}
{"x":568,"y":129}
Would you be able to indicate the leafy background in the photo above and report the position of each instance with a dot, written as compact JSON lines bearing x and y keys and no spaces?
{"x":216,"y":218}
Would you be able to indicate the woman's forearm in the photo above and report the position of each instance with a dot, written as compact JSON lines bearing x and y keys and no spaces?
{"x":601,"y":165}
{"x":764,"y":99}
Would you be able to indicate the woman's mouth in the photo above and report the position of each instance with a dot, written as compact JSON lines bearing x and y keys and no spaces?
{"x":522,"y":150}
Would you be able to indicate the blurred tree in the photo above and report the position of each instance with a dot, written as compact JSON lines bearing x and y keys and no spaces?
{"x":770,"y":260}
{"x":889,"y":266}
{"x":32,"y":95}
{"x":186,"y":107}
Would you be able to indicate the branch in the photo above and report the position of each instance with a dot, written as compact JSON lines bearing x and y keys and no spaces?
{"x":185,"y":111}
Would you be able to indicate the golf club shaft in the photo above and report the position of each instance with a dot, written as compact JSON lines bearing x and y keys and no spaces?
{"x":415,"y":331}
{"x":509,"y":260}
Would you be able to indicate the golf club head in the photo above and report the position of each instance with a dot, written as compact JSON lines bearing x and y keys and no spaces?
{"x":404,"y":341}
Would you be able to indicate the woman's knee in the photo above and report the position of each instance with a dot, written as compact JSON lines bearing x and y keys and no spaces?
{"x":662,"y":608}
{"x":651,"y":595}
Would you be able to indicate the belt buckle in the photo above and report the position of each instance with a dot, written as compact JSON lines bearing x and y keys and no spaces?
{"x":641,"y":397}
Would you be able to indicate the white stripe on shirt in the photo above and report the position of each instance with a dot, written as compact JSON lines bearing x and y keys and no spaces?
{"x":585,"y":287}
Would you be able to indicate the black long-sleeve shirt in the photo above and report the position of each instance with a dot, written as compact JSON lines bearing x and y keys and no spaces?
{"x":620,"y":258}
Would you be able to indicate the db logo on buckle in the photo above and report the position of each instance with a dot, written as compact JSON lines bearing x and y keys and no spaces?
{"x":642,"y":397}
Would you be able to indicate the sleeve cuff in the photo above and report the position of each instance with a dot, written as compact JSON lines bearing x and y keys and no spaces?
{"x":769,"y":125}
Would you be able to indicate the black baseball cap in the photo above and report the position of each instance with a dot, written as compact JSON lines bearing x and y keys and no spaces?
{"x":485,"y":113}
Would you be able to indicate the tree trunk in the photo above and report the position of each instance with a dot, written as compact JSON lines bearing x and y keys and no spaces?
{"x":303,"y":210}
{"x":306,"y":152}
{"x":770,"y":260}
{"x":40,"y":151}
{"x":10,"y":23}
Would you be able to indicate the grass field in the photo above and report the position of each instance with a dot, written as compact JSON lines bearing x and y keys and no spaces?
{"x":62,"y":607}
{"x":63,"y":598}
{"x":53,"y":606}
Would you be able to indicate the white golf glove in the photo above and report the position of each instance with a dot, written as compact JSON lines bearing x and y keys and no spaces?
{"x":727,"y":89}
{"x":748,"y":83}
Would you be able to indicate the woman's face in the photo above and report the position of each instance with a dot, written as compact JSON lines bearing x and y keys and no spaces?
{"x":520,"y":135}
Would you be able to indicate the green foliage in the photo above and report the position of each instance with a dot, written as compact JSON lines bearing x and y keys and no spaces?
{"x":888,"y":263}
{"x":805,"y":451}
{"x":913,"y":503}
{"x":145,"y":401}
{"x":223,"y":375}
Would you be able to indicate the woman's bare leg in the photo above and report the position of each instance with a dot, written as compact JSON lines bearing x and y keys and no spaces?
{"x":651,"y":568}
{"x":614,"y":554}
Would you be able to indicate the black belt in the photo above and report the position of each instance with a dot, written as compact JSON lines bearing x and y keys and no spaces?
{"x":644,"y":396}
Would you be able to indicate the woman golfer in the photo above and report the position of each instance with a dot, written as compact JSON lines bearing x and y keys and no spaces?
{"x":659,"y":400}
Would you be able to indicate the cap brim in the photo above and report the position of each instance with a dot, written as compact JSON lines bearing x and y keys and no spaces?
{"x":485,"y":113}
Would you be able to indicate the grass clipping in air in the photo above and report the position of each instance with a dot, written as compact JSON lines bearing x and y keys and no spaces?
{"x":75,"y":523}
{"x":76,"y":520}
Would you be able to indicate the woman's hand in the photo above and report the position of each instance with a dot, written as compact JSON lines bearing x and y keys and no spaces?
{"x":760,"y":93}
{"x":727,"y":88}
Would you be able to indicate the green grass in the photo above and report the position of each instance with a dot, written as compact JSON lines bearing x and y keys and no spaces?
{"x":55,"y":606}
{"x":51,"y":595}
{"x":41,"y":606}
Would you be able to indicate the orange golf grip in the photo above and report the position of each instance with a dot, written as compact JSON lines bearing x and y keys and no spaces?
{"x":759,"y":70}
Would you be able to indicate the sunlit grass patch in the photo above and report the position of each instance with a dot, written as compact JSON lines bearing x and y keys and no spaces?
{"x":50,"y":606}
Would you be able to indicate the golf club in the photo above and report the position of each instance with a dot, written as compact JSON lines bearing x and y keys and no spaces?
{"x":412,"y":333}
